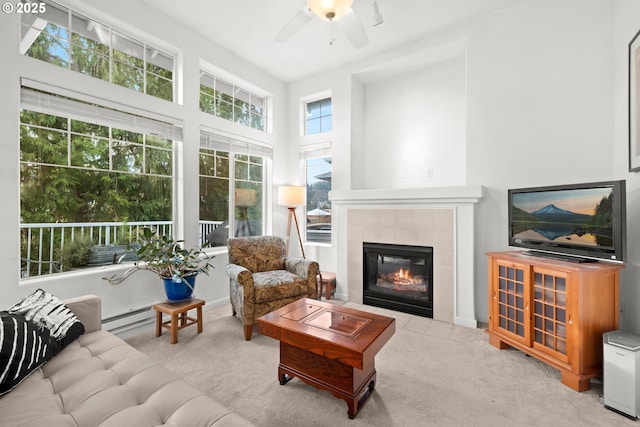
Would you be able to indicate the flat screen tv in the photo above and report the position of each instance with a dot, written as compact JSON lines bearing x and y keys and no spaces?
{"x":578,"y":222}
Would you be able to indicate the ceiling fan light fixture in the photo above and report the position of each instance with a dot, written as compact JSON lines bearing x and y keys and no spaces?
{"x":329,"y":10}
{"x":376,"y":17}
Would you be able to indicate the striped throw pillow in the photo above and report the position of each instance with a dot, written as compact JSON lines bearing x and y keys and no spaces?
{"x":48,"y":312}
{"x":23,"y":348}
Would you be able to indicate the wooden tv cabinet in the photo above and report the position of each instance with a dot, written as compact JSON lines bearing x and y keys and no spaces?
{"x":555,"y":311}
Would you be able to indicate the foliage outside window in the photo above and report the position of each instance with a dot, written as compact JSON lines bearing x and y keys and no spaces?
{"x":318,"y":174}
{"x":216,"y":185}
{"x":231,"y":102}
{"x":318,"y":117}
{"x":72,"y":41}
{"x":84,"y":184}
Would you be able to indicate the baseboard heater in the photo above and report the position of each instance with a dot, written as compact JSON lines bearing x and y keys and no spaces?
{"x":129,"y":320}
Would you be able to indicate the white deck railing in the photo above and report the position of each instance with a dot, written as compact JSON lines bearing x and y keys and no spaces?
{"x":41,"y":244}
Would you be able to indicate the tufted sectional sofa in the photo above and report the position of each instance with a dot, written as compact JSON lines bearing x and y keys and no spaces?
{"x":100,"y":380}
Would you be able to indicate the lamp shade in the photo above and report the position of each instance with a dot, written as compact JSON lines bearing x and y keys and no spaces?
{"x":329,"y":10}
{"x":245,"y":197}
{"x":289,"y":195}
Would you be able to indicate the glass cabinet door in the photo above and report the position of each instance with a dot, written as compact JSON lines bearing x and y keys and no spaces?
{"x":550,"y":312}
{"x":511,"y":301}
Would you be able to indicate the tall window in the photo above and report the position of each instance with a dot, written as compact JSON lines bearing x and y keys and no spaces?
{"x":249,"y":185}
{"x":232,"y":173}
{"x":231,"y":102}
{"x":214,"y":195}
{"x":318,"y":117}
{"x":64,"y":38}
{"x":89,"y":177}
{"x":318,"y":210}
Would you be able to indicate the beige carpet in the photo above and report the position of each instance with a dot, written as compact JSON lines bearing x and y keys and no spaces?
{"x":450,"y":378}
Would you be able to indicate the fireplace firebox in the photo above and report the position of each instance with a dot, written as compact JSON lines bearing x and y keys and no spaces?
{"x":398,"y":277}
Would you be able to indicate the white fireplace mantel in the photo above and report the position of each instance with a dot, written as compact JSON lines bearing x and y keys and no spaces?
{"x":440,"y":202}
{"x":409,"y":196}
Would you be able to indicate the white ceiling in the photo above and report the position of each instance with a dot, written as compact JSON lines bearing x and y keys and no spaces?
{"x":248,"y":28}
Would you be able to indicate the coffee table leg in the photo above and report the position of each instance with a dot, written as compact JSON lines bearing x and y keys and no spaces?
{"x":283,"y":377}
{"x":356,"y":404}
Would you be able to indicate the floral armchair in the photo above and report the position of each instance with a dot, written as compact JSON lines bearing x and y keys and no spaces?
{"x":262,"y":279}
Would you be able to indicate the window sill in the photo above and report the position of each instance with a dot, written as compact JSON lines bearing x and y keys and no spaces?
{"x":318,"y":244}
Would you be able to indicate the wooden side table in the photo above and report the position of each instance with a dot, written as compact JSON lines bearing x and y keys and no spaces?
{"x":178,"y":317}
{"x":329,"y":283}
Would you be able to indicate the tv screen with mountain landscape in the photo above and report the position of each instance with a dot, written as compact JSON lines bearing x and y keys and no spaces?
{"x":585,"y":220}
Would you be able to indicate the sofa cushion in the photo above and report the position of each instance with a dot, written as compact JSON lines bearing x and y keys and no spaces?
{"x":100,"y":380}
{"x":23,"y":348}
{"x":47,"y":311}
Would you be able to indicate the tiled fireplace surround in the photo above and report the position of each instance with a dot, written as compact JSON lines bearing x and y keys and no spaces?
{"x":441,"y":217}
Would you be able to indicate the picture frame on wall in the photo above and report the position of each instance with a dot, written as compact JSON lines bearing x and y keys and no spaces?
{"x":634,"y":103}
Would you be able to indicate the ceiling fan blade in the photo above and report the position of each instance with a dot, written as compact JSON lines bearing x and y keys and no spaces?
{"x":353,"y":29}
{"x":294,"y":25}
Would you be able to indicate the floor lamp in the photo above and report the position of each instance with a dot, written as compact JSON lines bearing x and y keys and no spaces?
{"x":292,"y":197}
{"x":245,"y":198}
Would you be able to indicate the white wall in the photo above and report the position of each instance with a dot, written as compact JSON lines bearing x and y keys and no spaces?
{"x":414,"y":129}
{"x":137,"y":19}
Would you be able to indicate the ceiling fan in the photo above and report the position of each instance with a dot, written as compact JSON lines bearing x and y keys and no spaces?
{"x":335,"y":12}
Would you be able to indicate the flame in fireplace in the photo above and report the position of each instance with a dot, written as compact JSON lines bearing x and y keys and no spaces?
{"x":403,"y":277}
{"x":402,"y":280}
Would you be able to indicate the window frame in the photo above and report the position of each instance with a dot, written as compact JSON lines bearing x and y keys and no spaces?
{"x":234,"y":146}
{"x":107,"y":124}
{"x":313,"y":152}
{"x":321,"y":118}
{"x":78,"y":26}
{"x":230,"y":99}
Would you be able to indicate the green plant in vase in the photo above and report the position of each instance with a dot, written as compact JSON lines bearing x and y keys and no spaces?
{"x":166,"y":257}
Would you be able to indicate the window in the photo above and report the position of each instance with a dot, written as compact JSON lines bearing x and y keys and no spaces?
{"x":318,"y":117}
{"x":214,"y":196}
{"x":231,"y":102}
{"x":230,"y":167}
{"x":318,"y":209}
{"x":89,"y":177}
{"x":249,"y":184}
{"x":64,"y":38}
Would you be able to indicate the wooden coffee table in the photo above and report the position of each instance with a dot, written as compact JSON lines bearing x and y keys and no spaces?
{"x":329,"y":346}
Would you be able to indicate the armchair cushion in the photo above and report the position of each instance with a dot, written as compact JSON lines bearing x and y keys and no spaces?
{"x":258,"y":254}
{"x":277,"y":284}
